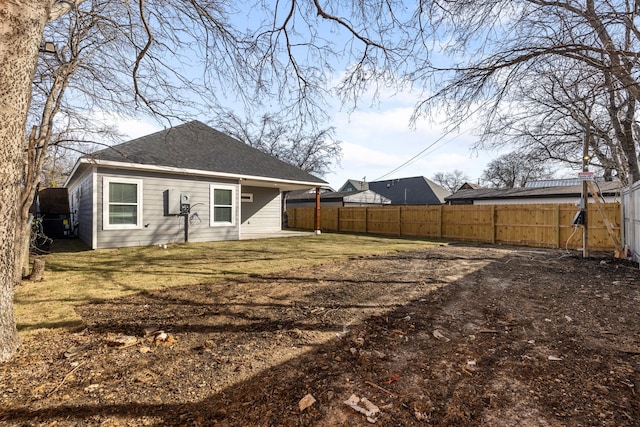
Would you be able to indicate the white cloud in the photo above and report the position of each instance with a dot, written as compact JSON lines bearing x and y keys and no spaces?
{"x":135,"y":128}
{"x":377,"y":141}
{"x":128,"y":127}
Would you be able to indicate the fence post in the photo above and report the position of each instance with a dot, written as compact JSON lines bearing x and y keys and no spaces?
{"x":399,"y":221}
{"x":493,"y":224}
{"x":558,"y":242}
{"x":366,"y":220}
{"x":316,"y":219}
{"x":440,"y":214}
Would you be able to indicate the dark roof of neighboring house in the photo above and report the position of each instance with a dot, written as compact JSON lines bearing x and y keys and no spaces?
{"x":410,"y":191}
{"x":197,"y":146}
{"x":610,"y":188}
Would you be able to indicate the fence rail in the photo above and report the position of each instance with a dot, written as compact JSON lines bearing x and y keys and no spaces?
{"x":540,"y":225}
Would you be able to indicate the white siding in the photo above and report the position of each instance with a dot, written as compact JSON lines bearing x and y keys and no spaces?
{"x":631,"y":220}
{"x":157,"y":227}
{"x":263,"y":215}
{"x":81,"y":204}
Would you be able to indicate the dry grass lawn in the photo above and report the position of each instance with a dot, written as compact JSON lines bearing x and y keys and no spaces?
{"x":75,"y":275}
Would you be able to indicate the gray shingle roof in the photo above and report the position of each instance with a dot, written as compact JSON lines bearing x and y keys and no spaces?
{"x":410,"y":191}
{"x":197,"y":146}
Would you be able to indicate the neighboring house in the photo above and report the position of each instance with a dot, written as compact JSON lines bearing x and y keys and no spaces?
{"x":609,"y":192}
{"x":556,"y":182}
{"x":337,"y":198}
{"x":354,"y":185}
{"x":469,"y":186}
{"x":190,"y":182}
{"x":410,"y":191}
{"x":399,"y":191}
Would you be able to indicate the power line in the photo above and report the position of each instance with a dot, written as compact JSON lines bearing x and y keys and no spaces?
{"x":412,"y":159}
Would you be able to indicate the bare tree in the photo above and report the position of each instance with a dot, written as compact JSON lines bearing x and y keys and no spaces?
{"x":171,"y":59}
{"x":514,"y":170}
{"x":558,"y":109}
{"x":499,"y":44}
{"x":312,"y":150}
{"x":451,"y":181}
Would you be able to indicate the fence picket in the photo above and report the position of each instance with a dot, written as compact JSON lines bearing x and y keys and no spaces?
{"x":540,"y":225}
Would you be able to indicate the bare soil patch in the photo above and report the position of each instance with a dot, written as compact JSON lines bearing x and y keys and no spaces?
{"x":449,"y":335}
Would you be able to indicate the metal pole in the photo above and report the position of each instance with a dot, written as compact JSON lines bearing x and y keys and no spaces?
{"x":186,"y":227}
{"x":317,"y":212}
{"x":585,"y":193}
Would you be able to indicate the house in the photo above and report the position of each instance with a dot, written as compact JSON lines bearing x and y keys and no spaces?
{"x":401,"y":191}
{"x":354,"y":185}
{"x":609,"y":192}
{"x":410,"y":191}
{"x":336,"y":199}
{"x":187,"y":183}
{"x":469,"y":186}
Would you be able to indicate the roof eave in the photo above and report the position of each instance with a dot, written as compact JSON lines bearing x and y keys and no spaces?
{"x":192,"y":172}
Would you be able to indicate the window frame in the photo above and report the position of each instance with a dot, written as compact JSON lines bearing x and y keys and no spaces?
{"x":212,"y":205}
{"x":106,"y":225}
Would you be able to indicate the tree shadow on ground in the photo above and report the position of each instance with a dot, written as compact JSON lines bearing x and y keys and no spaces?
{"x":474,"y":350}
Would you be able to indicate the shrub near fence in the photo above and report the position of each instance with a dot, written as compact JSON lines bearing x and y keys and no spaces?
{"x":539,"y":225}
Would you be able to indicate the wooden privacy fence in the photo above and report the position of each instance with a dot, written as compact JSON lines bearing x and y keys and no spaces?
{"x":539,"y":225}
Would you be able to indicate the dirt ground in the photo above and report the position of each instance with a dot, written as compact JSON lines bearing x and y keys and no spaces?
{"x":451,"y":335}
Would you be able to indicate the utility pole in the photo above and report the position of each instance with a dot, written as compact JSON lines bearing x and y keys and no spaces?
{"x":584,"y":203}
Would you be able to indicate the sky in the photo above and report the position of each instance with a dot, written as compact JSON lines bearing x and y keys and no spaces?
{"x":377,"y":140}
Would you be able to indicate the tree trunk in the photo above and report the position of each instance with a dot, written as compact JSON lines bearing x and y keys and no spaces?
{"x":21,"y":28}
{"x":37,"y":272}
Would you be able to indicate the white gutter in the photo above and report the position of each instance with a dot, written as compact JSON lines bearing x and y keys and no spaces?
{"x":183,"y":171}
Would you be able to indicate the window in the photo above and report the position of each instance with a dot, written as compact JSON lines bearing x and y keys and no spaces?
{"x":122,"y":203}
{"x":222,"y":205}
